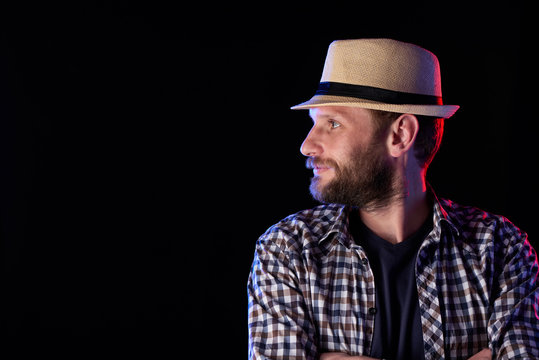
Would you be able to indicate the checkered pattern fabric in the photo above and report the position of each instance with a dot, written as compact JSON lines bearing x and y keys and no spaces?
{"x":311,"y":288}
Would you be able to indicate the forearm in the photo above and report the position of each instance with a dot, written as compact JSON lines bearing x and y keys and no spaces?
{"x":343,"y":356}
{"x":485,"y":354}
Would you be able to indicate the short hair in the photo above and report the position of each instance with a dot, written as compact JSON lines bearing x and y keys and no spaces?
{"x":428,"y":139}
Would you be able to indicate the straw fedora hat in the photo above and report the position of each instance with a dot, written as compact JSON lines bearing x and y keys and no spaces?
{"x":381,"y":74}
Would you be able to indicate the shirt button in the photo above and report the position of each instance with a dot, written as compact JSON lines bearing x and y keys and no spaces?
{"x":372,"y":311}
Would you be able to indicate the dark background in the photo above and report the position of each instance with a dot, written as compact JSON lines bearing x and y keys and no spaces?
{"x":144,"y":148}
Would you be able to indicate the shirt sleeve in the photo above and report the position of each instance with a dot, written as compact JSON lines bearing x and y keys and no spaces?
{"x":514,"y":323}
{"x":279,"y":324}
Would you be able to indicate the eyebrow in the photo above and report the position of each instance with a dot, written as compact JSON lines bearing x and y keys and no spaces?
{"x":324,"y":116}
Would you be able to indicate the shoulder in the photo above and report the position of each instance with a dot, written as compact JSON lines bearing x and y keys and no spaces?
{"x":477,"y":226}
{"x":305,"y":228}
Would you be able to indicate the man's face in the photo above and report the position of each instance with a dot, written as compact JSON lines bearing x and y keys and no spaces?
{"x":349,"y":158}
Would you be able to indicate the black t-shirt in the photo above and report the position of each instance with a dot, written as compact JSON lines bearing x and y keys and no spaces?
{"x":397,"y":325}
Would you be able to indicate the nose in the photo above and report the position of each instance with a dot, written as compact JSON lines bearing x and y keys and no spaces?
{"x":311,"y":146}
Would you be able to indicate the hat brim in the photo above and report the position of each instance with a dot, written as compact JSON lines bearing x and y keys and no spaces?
{"x":441,"y":111}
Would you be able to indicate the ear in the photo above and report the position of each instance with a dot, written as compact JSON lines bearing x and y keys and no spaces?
{"x":402,"y":134}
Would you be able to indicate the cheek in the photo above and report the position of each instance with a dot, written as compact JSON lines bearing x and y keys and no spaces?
{"x":350,"y":154}
{"x":345,"y":150}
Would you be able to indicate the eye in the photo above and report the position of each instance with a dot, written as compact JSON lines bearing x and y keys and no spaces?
{"x":334,"y":124}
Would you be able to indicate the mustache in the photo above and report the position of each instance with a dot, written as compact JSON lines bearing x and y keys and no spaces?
{"x":314,"y":162}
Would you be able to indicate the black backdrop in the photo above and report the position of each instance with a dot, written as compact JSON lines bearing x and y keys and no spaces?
{"x":144,"y":148}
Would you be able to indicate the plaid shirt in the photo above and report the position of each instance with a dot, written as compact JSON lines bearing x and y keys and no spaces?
{"x":311,"y":289}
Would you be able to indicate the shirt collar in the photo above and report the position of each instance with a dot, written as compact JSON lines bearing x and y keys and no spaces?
{"x":442,"y":212}
{"x":339,"y":226}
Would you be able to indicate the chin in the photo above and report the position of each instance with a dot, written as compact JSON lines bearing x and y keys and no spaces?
{"x":319,"y":182}
{"x":317,"y":188}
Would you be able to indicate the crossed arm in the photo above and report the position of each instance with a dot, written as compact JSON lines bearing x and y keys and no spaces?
{"x":485,"y":354}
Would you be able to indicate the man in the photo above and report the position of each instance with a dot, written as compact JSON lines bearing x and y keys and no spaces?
{"x":384,"y":269}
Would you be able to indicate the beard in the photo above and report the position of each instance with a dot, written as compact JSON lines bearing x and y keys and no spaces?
{"x":367,"y":181}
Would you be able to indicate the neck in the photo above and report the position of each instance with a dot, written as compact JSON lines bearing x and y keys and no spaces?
{"x":402,"y":217}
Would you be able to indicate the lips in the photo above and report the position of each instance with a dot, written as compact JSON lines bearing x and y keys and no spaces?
{"x":318,"y":166}
{"x":319,"y":170}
